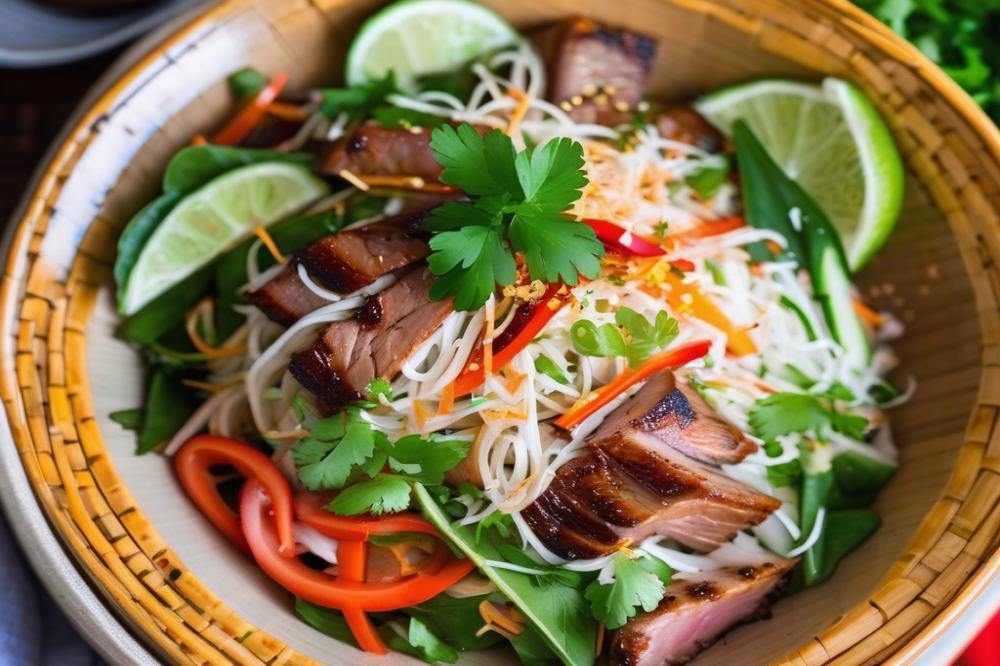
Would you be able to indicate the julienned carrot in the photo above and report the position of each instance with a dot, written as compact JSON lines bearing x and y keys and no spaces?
{"x":251,"y":114}
{"x":684,"y":297}
{"x":707,"y":228}
{"x":604,"y":395}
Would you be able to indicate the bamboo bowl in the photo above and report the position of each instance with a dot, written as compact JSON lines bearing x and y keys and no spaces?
{"x":192,"y":598}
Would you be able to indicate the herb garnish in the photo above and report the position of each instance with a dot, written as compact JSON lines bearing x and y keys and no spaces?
{"x":638,"y":583}
{"x":608,"y":341}
{"x":519,"y":201}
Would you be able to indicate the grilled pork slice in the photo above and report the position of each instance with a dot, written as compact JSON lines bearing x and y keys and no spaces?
{"x":676,"y":415}
{"x":683,"y":123}
{"x":371,"y":149}
{"x":596,"y":72}
{"x":374,"y":343}
{"x":631,"y":487}
{"x":694,"y":613}
{"x":343,"y":263}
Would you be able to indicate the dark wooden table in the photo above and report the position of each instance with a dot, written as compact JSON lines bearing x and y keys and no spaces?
{"x":34,"y":105}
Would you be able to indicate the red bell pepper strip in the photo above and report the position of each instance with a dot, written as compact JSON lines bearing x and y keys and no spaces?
{"x":309,"y":510}
{"x":620,"y":241}
{"x":200,"y":453}
{"x":528,"y":322}
{"x":441,"y":572}
{"x":617,"y":239}
{"x":673,"y":358}
{"x":351,"y":560}
{"x":250,"y":115}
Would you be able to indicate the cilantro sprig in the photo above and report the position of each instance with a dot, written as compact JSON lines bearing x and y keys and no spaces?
{"x":787,"y":413}
{"x":518,"y":202}
{"x":345,"y":450}
{"x":639,"y":583}
{"x":639,"y":340}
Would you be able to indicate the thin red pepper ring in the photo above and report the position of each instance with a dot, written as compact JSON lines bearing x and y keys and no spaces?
{"x":346,"y":593}
{"x":529,"y":320}
{"x":200,"y":453}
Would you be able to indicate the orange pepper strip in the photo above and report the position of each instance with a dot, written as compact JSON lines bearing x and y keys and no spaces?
{"x":199,"y":454}
{"x":604,"y":395}
{"x":687,"y":297}
{"x":351,"y":559}
{"x":707,"y":228}
{"x":531,"y":319}
{"x":250,"y":115}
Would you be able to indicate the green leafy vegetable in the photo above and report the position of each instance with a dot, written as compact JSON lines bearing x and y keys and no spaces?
{"x":378,"y":387}
{"x":706,"y":180}
{"x":608,"y":341}
{"x":358,"y":101}
{"x":423,"y":643}
{"x":634,"y":587}
{"x":786,"y":413}
{"x":246,"y":82}
{"x":814,"y":494}
{"x":130,"y":419}
{"x":385,"y":493}
{"x":548,"y":367}
{"x":960,"y":35}
{"x":137,"y":232}
{"x":194,"y":166}
{"x":844,"y":531}
{"x":168,"y":406}
{"x":556,"y":611}
{"x":521,"y":198}
{"x":334,"y":448}
{"x":456,"y":620}
{"x":327,"y":620}
{"x":858,"y":478}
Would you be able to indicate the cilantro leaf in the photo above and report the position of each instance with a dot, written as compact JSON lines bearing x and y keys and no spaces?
{"x":480,"y":165}
{"x":469,"y":263}
{"x":555,"y":248}
{"x":430,"y":458}
{"x":386,"y":493}
{"x":787,"y":413}
{"x":608,"y":341}
{"x":378,"y":387}
{"x":551,"y":176}
{"x":521,"y":198}
{"x":634,"y":587}
{"x":706,"y":180}
{"x":333,"y":448}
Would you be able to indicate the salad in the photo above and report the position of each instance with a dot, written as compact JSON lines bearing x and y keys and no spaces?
{"x":489,"y":347}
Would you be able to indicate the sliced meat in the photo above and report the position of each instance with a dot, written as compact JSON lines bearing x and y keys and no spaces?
{"x":371,"y":149}
{"x":679,"y":417}
{"x":631,"y":488}
{"x":682,"y":123}
{"x":343,"y":263}
{"x":595,"y":72}
{"x":374,"y":343}
{"x":694,"y":613}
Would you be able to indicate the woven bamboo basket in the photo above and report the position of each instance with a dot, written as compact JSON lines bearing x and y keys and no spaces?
{"x":193,"y":599}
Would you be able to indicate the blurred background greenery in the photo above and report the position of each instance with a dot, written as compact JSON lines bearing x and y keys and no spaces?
{"x":962,"y":36}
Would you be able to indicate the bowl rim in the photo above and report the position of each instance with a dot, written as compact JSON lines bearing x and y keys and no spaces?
{"x":15,"y":240}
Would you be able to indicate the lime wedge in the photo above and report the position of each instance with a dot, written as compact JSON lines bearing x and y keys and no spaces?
{"x":213,"y":219}
{"x":831,"y":140}
{"x":414,"y":38}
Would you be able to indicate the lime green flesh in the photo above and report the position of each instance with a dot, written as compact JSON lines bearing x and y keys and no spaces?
{"x":216,"y":218}
{"x":831,"y":140}
{"x":414,"y":38}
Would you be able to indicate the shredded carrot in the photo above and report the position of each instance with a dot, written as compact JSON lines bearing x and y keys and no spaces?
{"x":600,"y":638}
{"x":203,"y":310}
{"x":868,"y":315}
{"x":419,"y":414}
{"x":488,"y":339}
{"x":493,"y":615}
{"x":269,"y":243}
{"x":199,"y":140}
{"x":517,"y":115}
{"x":514,"y":382}
{"x":285,"y":111}
{"x":519,"y":487}
{"x":705,"y":228}
{"x":250,"y":115}
{"x":447,"y":399}
{"x":204,"y":386}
